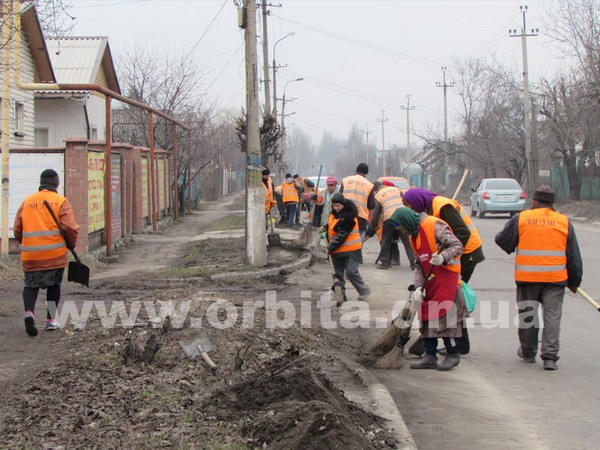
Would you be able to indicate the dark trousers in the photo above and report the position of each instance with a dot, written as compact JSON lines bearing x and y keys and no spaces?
{"x":52,"y":298}
{"x":389,"y":249}
{"x":431,"y":346}
{"x":529,"y":297}
{"x":290,"y":210}
{"x":346,"y":263}
{"x":280,"y":207}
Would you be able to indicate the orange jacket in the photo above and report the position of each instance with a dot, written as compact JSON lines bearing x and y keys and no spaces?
{"x":542,"y":249}
{"x":390,"y":199}
{"x":289,"y":193}
{"x":269,"y":196}
{"x":428,"y":226}
{"x":474,"y":241}
{"x":357,"y":188}
{"x":352,"y":242}
{"x":42,"y":246}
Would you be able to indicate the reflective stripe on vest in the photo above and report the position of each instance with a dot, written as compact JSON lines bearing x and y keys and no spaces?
{"x":541,"y":255}
{"x":352,"y":242}
{"x":390,"y":199}
{"x":428,"y":226}
{"x":357,"y":188}
{"x":289,"y":193}
{"x":41,"y":237}
{"x":474,"y":241}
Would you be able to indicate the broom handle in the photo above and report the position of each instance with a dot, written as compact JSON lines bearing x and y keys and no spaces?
{"x":460,"y":185}
{"x":60,"y":228}
{"x":585,"y":295}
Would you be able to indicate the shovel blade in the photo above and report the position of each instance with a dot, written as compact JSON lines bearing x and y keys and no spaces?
{"x":201,"y":344}
{"x":79,"y":273}
{"x":274,"y":240}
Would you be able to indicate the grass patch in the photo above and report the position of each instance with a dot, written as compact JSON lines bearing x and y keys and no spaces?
{"x":231,"y":222}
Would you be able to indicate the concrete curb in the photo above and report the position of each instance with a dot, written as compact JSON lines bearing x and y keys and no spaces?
{"x":385,"y":406}
{"x":256,"y":274}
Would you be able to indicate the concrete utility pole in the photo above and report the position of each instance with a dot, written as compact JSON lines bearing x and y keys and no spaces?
{"x":265,"y":46}
{"x":5,"y":17}
{"x":530,"y":152}
{"x":256,"y":250}
{"x":445,"y":85}
{"x":383,"y":120}
{"x":367,"y":133}
{"x":408,"y":109}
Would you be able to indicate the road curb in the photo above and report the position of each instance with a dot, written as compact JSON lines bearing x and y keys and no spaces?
{"x":384,"y":404}
{"x":302,"y":263}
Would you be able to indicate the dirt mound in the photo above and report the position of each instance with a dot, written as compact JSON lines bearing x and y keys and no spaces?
{"x":299,"y":408}
{"x":588,"y":209}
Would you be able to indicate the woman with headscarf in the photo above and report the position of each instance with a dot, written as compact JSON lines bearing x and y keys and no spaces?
{"x":344,"y":244}
{"x":436,"y":277}
{"x":451,"y":212}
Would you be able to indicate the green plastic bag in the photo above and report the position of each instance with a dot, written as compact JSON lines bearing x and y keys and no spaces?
{"x":470,"y":297}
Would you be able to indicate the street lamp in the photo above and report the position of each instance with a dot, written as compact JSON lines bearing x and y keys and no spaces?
{"x":283,"y":117}
{"x":275,"y":72}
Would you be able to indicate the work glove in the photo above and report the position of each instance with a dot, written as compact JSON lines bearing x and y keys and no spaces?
{"x":436,"y":260}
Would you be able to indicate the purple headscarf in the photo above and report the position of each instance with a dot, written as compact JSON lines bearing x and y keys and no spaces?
{"x":419,"y":198}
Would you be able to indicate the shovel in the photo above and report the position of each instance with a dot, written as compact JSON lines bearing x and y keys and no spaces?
{"x":78,"y":272}
{"x":273,"y":238}
{"x":200,"y":346}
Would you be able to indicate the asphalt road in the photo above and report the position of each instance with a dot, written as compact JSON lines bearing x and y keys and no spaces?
{"x":495,"y":400}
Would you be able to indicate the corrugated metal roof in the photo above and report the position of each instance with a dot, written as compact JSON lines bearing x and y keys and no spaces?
{"x":76,"y":59}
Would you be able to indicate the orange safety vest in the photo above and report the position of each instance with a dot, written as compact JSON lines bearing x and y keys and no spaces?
{"x":390,"y":199}
{"x":289,"y":193}
{"x":542,"y":249}
{"x":357,"y":188}
{"x":428,"y":226}
{"x":352,"y":242}
{"x":41,"y":237}
{"x":474,"y":241}
{"x":268,"y":195}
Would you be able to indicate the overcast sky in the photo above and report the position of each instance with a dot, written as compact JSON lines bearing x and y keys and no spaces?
{"x":356,"y":57}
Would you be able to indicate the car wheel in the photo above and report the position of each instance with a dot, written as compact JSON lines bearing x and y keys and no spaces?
{"x":473,"y":211}
{"x":480,"y":213}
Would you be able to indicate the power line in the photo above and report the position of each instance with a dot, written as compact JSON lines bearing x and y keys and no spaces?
{"x":224,"y":67}
{"x":207,"y":28}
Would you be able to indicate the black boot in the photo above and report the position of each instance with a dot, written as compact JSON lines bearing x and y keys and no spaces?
{"x":428,"y":362}
{"x":450,"y":362}
{"x":418,"y":347}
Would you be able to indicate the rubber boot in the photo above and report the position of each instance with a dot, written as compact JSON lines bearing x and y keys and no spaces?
{"x":450,"y":362}
{"x":417,"y":348}
{"x":428,"y":362}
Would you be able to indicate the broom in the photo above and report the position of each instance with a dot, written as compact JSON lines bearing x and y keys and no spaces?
{"x":399,"y":329}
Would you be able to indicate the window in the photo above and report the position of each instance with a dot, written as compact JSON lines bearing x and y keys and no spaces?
{"x":499,"y":183}
{"x":19,"y":119}
{"x":41,"y":137}
{"x":94,"y":134}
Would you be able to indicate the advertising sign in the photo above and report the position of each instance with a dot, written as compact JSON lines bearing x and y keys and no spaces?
{"x":95,"y":191}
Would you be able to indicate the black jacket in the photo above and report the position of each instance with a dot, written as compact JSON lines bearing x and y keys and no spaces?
{"x":508,"y":240}
{"x":344,"y":226}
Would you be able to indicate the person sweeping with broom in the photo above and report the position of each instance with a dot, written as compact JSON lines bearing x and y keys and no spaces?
{"x":344,"y":244}
{"x":436,"y":278}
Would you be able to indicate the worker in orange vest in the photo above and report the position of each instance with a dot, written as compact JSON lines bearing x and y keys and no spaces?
{"x":43,"y":249}
{"x":291,"y":198}
{"x":451,"y":212}
{"x":387,"y":200}
{"x":344,"y":244}
{"x":269,"y":193}
{"x":360,"y":190}
{"x":547,"y":260}
{"x":436,"y":279}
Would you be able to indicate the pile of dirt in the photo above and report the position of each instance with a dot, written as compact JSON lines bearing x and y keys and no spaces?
{"x":296,"y":409}
{"x":588,"y":209}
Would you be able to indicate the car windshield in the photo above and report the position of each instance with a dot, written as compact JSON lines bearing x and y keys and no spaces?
{"x":402,"y":184}
{"x":502,"y":184}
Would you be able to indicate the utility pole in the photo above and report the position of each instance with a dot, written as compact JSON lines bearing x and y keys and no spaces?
{"x":6,"y":32}
{"x":256,"y":250}
{"x":265,"y":46}
{"x":383,"y":120}
{"x":408,"y":109}
{"x":530,"y":152}
{"x":367,"y":133}
{"x":445,"y":86}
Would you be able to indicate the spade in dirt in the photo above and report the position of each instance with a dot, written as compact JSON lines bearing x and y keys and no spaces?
{"x":78,"y":272}
{"x":201,"y":345}
{"x":273,"y":238}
